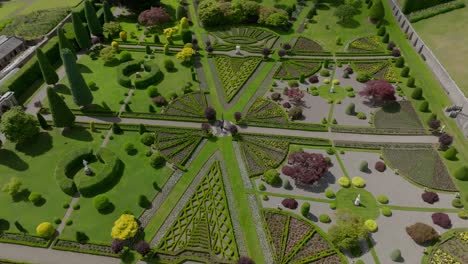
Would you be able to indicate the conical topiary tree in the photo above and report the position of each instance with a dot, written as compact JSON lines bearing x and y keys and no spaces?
{"x":64,"y":43}
{"x":94,"y":25}
{"x":81,"y":94}
{"x":108,"y":16}
{"x":48,"y":72}
{"x":61,"y":114}
{"x":81,"y":34}
{"x":377,"y":11}
{"x":42,"y":121}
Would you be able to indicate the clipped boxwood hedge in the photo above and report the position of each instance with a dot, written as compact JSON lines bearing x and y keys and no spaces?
{"x":67,"y":164}
{"x":153,"y":76}
{"x":124,"y":70}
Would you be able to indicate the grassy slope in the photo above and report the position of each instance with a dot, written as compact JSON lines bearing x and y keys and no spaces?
{"x":448,"y":45}
{"x":433,"y":93}
{"x":137,"y":179}
{"x":35,"y":167}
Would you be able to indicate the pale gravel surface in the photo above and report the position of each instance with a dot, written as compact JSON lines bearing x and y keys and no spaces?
{"x":242,"y":169}
{"x":329,"y":181}
{"x":235,"y":220}
{"x":183,"y":200}
{"x":262,"y":236}
{"x":398,"y":189}
{"x":167,"y":188}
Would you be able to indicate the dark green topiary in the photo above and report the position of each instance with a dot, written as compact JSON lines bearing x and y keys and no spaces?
{"x":377,"y":11}
{"x":405,"y":72}
{"x":81,"y":237}
{"x":94,"y":25}
{"x":148,"y":49}
{"x":411,"y":82}
{"x":61,"y":114}
{"x":271,"y":177}
{"x":108,"y":16}
{"x":424,"y":107}
{"x":381,"y":31}
{"x":181,"y":12}
{"x":81,"y":34}
{"x":80,"y":91}
{"x":462,"y":173}
{"x":116,"y":129}
{"x":417,"y":93}
{"x":141,"y":129}
{"x":143,"y":201}
{"x":186,"y":36}
{"x":42,"y":122}
{"x":305,"y":209}
{"x":101,"y":202}
{"x":386,"y":38}
{"x":400,"y":62}
{"x":64,"y":43}
{"x":48,"y":72}
{"x":396,"y":255}
{"x":157,"y":160}
{"x":364,"y":166}
{"x":351,"y":109}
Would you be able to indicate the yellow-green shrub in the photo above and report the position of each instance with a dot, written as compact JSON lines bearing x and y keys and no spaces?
{"x":358,"y":182}
{"x":344,"y":182}
{"x":371,"y":225}
{"x":125,"y":227}
{"x":45,"y":229}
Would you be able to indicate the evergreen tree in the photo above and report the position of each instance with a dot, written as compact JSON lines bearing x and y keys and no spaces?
{"x":81,"y":34}
{"x":48,"y":72}
{"x":181,"y":12}
{"x":377,"y":10}
{"x":42,"y":121}
{"x":108,"y":16}
{"x":79,"y":89}
{"x":64,"y":43}
{"x":94,"y":25}
{"x":61,"y":114}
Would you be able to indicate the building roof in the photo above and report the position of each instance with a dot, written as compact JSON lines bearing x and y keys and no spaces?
{"x":8,"y":44}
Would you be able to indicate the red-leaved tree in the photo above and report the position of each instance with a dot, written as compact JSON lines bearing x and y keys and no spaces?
{"x":295,"y":95}
{"x":154,"y":17}
{"x":306,"y":168}
{"x":378,"y":91}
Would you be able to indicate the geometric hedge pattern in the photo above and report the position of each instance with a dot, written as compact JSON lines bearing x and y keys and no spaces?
{"x":296,"y":241}
{"x":204,"y":225}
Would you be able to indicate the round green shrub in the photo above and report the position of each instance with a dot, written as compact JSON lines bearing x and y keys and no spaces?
{"x":451,"y":154}
{"x":129,"y":147}
{"x":462,"y":173}
{"x":351,"y":109}
{"x":69,"y":222}
{"x":143,"y":201}
{"x":333,"y":206}
{"x":265,"y":197}
{"x":66,"y":205}
{"x":45,"y":230}
{"x":358,"y":182}
{"x":360,"y":261}
{"x":329,"y":194}
{"x":371,"y":225}
{"x":344,"y":182}
{"x":411,"y":82}
{"x":152,"y":91}
{"x":417,"y":93}
{"x":364,"y":166}
{"x":424,"y":107}
{"x":125,"y":56}
{"x":271,"y":177}
{"x":101,"y":202}
{"x":324,"y":218}
{"x":261,"y":187}
{"x":305,"y":209}
{"x":35,"y":197}
{"x":169,"y":65}
{"x":157,"y":160}
{"x":405,"y":72}
{"x":361,"y":115}
{"x":386,"y":211}
{"x":76,"y":207}
{"x":287,"y":184}
{"x":330,"y":151}
{"x":314,"y":93}
{"x":57,"y":221}
{"x":457,"y":203}
{"x":363,"y":77}
{"x":382,"y":199}
{"x":324,"y":73}
{"x":147,"y":138}
{"x":463,"y":214}
{"x":395,"y":255}
{"x":400,"y":62}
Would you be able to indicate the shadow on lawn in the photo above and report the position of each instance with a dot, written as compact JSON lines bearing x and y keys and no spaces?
{"x":78,"y":133}
{"x":11,"y":160}
{"x":4,"y":225}
{"x":36,"y":147}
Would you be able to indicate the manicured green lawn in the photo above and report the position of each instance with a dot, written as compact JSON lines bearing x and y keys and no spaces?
{"x":14,"y":7}
{"x":445,"y":34}
{"x":317,"y":28}
{"x":368,"y":208}
{"x":8,"y":8}
{"x":34,"y":164}
{"x":47,"y":4}
{"x":137,"y":179}
{"x":338,"y":94}
{"x":173,"y":82}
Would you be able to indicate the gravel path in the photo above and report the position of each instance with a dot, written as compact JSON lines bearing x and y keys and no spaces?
{"x":262,"y":236}
{"x":242,"y":168}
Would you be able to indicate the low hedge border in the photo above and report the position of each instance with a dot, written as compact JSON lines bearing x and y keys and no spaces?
{"x":76,"y":247}
{"x":24,"y":239}
{"x":124,"y":70}
{"x":378,"y":131}
{"x":380,"y":145}
{"x":154,"y":75}
{"x":289,"y":125}
{"x":69,"y":161}
{"x":158,"y":116}
{"x":435,"y":10}
{"x":362,"y":54}
{"x":295,"y":140}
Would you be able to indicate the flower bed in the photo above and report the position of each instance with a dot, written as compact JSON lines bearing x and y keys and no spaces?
{"x":265,"y":110}
{"x":23,"y":239}
{"x":234,"y":72}
{"x":454,"y":250}
{"x":400,"y":115}
{"x":188,"y":105}
{"x":305,"y":45}
{"x":293,"y":69}
{"x":92,"y":248}
{"x":422,"y":166}
{"x":245,"y":35}
{"x":366,"y":44}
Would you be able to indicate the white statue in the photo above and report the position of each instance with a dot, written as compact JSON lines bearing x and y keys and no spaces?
{"x":332,"y":88}
{"x":87,"y":170}
{"x":238,"y":52}
{"x":442,"y":129}
{"x":357,"y":202}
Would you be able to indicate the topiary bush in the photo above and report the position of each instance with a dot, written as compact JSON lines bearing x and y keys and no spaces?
{"x":411,"y":82}
{"x":129,"y":148}
{"x":351,"y":109}
{"x":424,"y":107}
{"x":305,"y":209}
{"x":417,"y":93}
{"x":442,"y":220}
{"x":324,"y":218}
{"x":386,"y":211}
{"x":81,"y":237}
{"x":422,"y":233}
{"x":287,"y":184}
{"x":35,"y":197}
{"x":157,"y":160}
{"x":396,"y":255}
{"x":152,"y":91}
{"x":344,"y":182}
{"x":261,"y":187}
{"x":361,"y":115}
{"x":462,"y":214}
{"x":371,"y":225}
{"x":358,"y":182}
{"x":290,"y":203}
{"x":364,"y":166}
{"x":125,"y":227}
{"x":329,"y":194}
{"x":405,"y":72}
{"x":147,"y":139}
{"x":271,"y":177}
{"x":143,"y":201}
{"x":380,"y":166}
{"x":461,"y":173}
{"x":45,"y":230}
{"x":382,"y":199}
{"x":400,"y":62}
{"x":333,"y":206}
{"x":324,"y":73}
{"x":457,"y":203}
{"x":101,"y":202}
{"x":430,"y":197}
{"x":363,"y":77}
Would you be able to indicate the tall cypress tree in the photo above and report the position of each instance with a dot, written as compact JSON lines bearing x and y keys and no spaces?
{"x":61,"y":114}
{"x":81,"y":34}
{"x":108,"y":16}
{"x":64,"y":43}
{"x":48,"y":72}
{"x":94,"y":25}
{"x":42,"y":121}
{"x":81,"y":94}
{"x":377,"y":10}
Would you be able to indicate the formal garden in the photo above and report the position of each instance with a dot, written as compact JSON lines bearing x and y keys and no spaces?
{"x":230,"y":132}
